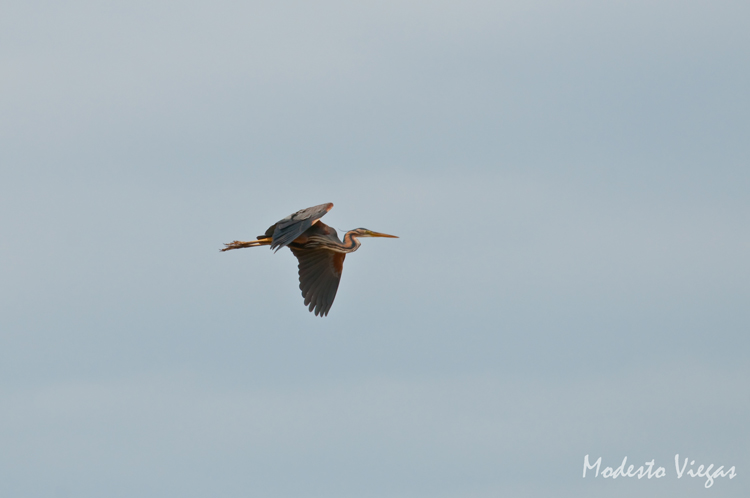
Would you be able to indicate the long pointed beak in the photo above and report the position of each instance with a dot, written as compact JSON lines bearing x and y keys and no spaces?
{"x":377,"y":234}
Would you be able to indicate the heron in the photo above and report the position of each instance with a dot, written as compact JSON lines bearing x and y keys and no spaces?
{"x":318,"y":249}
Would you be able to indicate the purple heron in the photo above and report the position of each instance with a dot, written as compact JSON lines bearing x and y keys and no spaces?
{"x":318,"y":249}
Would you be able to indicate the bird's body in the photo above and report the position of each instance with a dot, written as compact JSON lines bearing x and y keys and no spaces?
{"x":318,"y":249}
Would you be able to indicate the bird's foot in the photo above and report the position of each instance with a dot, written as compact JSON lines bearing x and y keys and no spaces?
{"x":238,"y":244}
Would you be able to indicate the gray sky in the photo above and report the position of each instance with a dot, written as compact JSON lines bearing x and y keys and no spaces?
{"x":569,"y":181}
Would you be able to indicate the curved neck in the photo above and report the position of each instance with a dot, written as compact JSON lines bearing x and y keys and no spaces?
{"x":351,"y":243}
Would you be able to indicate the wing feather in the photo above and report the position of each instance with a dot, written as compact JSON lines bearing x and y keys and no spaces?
{"x":285,"y":231}
{"x":319,"y":277}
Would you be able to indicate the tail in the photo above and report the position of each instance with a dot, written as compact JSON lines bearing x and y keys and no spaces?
{"x":253,"y":243}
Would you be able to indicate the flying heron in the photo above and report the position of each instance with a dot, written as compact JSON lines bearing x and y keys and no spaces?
{"x":319,"y":251}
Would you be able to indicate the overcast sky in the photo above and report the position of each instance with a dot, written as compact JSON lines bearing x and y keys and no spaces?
{"x":569,"y":181}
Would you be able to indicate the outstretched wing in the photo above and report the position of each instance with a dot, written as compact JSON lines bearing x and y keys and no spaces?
{"x":319,"y":276}
{"x":285,"y":231}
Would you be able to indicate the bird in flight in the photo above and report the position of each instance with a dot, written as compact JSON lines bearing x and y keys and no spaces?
{"x":318,"y":249}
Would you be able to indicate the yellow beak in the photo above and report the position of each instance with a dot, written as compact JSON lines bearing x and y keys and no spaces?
{"x":377,"y":234}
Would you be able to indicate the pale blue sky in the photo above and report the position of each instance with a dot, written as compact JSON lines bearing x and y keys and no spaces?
{"x":569,"y":181}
